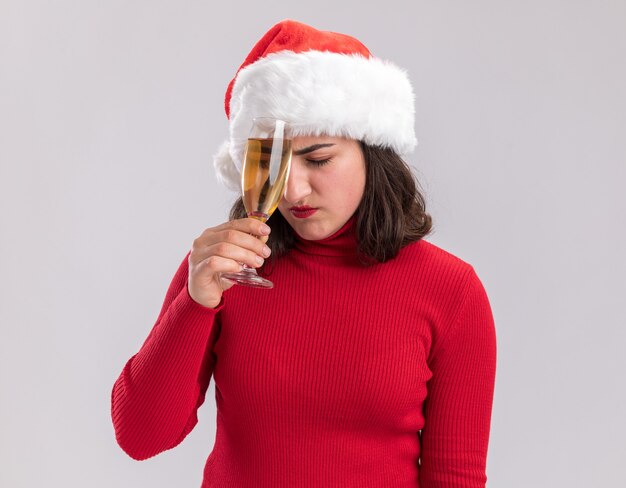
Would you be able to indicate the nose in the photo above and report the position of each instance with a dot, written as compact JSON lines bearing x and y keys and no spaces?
{"x":297,"y":187}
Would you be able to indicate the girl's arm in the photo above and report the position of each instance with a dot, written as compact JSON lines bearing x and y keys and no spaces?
{"x":155,"y":399}
{"x":457,"y":410}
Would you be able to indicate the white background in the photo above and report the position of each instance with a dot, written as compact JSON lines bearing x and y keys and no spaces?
{"x":110,"y":113}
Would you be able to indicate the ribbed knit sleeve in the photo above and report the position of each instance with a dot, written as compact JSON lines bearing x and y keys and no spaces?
{"x":155,"y":399}
{"x":458,"y":405}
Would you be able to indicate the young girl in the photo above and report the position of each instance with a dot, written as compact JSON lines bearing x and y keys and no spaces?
{"x":371,"y":363}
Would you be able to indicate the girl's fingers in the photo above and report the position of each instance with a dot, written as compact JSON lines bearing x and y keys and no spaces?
{"x":215,"y":265}
{"x":236,"y":253}
{"x":229,"y":243}
{"x":223,"y":249}
{"x":247,"y":225}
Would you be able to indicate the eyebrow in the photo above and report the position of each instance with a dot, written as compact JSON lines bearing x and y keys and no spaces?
{"x":312,"y":148}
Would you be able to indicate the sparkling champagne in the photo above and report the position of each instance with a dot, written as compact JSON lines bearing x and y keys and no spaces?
{"x":265,"y":172}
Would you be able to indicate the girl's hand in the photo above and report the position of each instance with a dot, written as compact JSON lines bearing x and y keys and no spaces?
{"x":222,"y":249}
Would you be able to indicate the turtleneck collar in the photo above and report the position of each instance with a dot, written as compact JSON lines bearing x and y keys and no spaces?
{"x":341,"y":243}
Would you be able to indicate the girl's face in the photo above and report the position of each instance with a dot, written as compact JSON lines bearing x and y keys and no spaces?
{"x":325,"y":185}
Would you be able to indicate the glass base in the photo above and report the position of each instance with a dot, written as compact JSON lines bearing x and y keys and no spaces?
{"x":248,"y":277}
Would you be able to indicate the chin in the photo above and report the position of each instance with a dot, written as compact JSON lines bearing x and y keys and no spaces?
{"x":312,"y":232}
{"x":306,"y":233}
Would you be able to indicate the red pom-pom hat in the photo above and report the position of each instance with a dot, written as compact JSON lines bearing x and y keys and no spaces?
{"x":323,"y":83}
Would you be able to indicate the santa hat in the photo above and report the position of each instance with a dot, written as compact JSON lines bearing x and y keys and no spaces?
{"x":322,"y":83}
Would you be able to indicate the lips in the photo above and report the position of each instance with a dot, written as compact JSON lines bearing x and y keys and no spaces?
{"x":302,"y":212}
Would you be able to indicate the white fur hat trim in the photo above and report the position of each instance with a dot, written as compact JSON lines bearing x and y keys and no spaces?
{"x":320,"y":93}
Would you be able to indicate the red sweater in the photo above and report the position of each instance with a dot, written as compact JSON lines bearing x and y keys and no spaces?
{"x":341,"y":376}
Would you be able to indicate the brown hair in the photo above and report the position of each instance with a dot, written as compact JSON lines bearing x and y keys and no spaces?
{"x":392,"y":212}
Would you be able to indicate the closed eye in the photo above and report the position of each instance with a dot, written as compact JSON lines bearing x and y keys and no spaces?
{"x":318,"y":162}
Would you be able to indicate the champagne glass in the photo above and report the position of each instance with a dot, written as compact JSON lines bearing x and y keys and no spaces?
{"x":265,"y":171}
